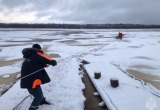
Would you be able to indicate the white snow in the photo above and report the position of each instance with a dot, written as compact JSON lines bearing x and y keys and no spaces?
{"x":64,"y":91}
{"x":6,"y":76}
{"x":18,"y":76}
{"x":128,"y":92}
{"x":96,"y":94}
{"x":101,"y":104}
{"x":110,"y":56}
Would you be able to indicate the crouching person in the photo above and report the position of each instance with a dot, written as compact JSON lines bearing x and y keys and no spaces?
{"x":120,"y":35}
{"x":33,"y":74}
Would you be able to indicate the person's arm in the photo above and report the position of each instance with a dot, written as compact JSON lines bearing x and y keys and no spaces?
{"x":46,"y":59}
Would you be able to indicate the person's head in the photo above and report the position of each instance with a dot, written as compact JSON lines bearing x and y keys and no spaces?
{"x":37,"y":46}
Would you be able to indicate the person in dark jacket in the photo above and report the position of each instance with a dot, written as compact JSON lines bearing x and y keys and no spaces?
{"x":33,"y":74}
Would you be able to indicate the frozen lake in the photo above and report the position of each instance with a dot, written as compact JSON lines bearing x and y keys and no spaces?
{"x":137,"y":53}
{"x":12,"y":41}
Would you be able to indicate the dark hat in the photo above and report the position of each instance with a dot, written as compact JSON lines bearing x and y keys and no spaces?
{"x":37,"y":46}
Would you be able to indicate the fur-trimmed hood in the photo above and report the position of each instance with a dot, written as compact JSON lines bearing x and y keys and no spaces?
{"x":28,"y":52}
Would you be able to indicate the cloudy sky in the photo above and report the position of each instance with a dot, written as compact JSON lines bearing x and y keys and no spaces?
{"x":80,"y":11}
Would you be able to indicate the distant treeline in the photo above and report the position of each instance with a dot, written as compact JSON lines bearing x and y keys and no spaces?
{"x":77,"y":26}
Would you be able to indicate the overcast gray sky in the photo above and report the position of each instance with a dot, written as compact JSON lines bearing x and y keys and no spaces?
{"x":80,"y":11}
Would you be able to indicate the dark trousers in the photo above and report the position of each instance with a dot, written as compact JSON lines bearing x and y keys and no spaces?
{"x":38,"y":96}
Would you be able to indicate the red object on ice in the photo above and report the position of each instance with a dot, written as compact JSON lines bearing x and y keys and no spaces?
{"x":120,"y":34}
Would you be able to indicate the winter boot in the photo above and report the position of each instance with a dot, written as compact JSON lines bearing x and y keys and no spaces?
{"x":45,"y":102}
{"x":33,"y":108}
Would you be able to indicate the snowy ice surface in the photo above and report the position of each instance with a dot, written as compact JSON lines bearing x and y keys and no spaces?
{"x":64,"y":91}
{"x":105,"y":53}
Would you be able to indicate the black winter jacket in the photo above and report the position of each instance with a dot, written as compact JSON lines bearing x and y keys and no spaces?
{"x":34,"y":60}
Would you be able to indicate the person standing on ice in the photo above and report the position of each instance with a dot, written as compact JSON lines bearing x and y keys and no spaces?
{"x":35,"y":60}
{"x":120,"y":35}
